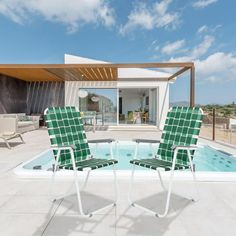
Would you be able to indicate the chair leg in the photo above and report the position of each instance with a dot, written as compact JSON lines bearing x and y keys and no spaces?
{"x":80,"y":207}
{"x":195,"y":186}
{"x":168,"y":196}
{"x":115,"y":185}
{"x":53,"y":176}
{"x":86,"y":181}
{"x":161,"y":215}
{"x":161,"y":181}
{"x":130,"y":193}
{"x":21,"y":138}
{"x":78,"y":194}
{"x":81,"y":211}
{"x":146,"y":209}
{"x":6,"y":142}
{"x":194,"y":177}
{"x":102,"y":208}
{"x":131,"y":186}
{"x":52,"y":184}
{"x":76,"y":182}
{"x":61,"y":197}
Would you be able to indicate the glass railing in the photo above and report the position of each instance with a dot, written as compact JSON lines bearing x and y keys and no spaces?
{"x":219,"y":126}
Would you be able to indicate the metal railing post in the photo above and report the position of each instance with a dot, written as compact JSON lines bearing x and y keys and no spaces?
{"x":214,"y":125}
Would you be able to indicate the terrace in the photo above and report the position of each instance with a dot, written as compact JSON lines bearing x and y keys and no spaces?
{"x":25,"y":207}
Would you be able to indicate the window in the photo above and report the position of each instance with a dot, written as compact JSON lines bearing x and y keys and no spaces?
{"x":101,"y":101}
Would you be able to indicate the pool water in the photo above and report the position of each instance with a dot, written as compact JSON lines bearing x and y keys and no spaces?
{"x":205,"y":158}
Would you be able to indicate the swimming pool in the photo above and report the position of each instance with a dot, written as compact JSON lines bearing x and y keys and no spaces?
{"x":206,"y":159}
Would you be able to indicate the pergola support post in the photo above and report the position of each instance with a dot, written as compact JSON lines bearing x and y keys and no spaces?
{"x":192,"y":86}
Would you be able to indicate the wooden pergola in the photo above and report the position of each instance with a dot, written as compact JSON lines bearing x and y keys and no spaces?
{"x":92,"y":72}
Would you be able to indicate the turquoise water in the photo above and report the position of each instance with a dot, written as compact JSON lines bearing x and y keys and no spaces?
{"x":205,"y":158}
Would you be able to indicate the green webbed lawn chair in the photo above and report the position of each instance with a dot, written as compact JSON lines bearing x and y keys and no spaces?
{"x":71,"y":149}
{"x":176,"y":148}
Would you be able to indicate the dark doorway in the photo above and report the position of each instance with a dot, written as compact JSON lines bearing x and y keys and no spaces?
{"x":120,"y":105}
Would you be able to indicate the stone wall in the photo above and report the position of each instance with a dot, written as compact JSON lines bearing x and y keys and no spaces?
{"x":13,"y":94}
{"x":18,"y":96}
{"x":41,"y":95}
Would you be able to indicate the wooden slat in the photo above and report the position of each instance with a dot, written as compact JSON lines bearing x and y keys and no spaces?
{"x":83,"y":74}
{"x":115,"y":71}
{"x":89,"y":73}
{"x":64,"y":74}
{"x":102,"y":74}
{"x":105,"y":65}
{"x":72,"y":73}
{"x":30,"y":74}
{"x":106,"y":73}
{"x":95,"y":74}
{"x":111,"y":73}
{"x":179,"y":72}
{"x":80,"y":72}
{"x":99,"y":72}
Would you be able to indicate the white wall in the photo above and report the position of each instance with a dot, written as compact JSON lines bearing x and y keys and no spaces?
{"x":72,"y":88}
{"x":163,"y":104}
{"x":152,"y":105}
{"x":131,"y":100}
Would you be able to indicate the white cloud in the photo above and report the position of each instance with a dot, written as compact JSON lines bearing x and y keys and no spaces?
{"x":202,"y":29}
{"x":218,"y":67}
{"x":203,"y":47}
{"x":72,"y":13}
{"x":203,"y":3}
{"x":155,"y":16}
{"x":174,"y":47}
{"x":198,"y":51}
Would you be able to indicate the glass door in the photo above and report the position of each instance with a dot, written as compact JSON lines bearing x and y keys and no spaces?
{"x":101,"y":102}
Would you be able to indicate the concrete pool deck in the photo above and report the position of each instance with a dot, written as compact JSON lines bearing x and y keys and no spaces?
{"x":26,"y":210}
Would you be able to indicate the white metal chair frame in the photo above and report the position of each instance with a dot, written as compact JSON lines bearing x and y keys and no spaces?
{"x":78,"y":189}
{"x":176,"y":149}
{"x":6,"y":138}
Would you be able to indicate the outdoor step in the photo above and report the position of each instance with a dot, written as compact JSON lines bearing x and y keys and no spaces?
{"x":133,"y":128}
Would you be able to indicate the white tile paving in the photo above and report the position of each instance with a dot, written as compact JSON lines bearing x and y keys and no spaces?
{"x":25,"y":208}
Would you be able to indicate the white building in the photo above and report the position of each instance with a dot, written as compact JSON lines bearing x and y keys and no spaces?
{"x":138,"y":92}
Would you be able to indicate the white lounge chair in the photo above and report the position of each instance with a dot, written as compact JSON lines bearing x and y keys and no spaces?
{"x":8,"y":127}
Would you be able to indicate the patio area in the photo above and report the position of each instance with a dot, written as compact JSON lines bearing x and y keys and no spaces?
{"x":25,"y":208}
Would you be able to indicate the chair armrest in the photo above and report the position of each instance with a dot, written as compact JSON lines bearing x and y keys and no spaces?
{"x":183,"y":147}
{"x":63,"y":147}
{"x":146,"y":141}
{"x":71,"y":148}
{"x":34,"y":118}
{"x":150,"y":141}
{"x":101,"y":141}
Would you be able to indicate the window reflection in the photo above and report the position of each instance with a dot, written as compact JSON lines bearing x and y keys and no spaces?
{"x":101,"y":102}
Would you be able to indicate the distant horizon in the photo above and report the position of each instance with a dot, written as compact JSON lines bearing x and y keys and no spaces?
{"x":201,"y":104}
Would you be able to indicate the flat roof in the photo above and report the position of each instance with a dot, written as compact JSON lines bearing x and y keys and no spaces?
{"x":90,"y":71}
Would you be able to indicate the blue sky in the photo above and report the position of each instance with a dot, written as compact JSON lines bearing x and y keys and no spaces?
{"x":203,"y":31}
